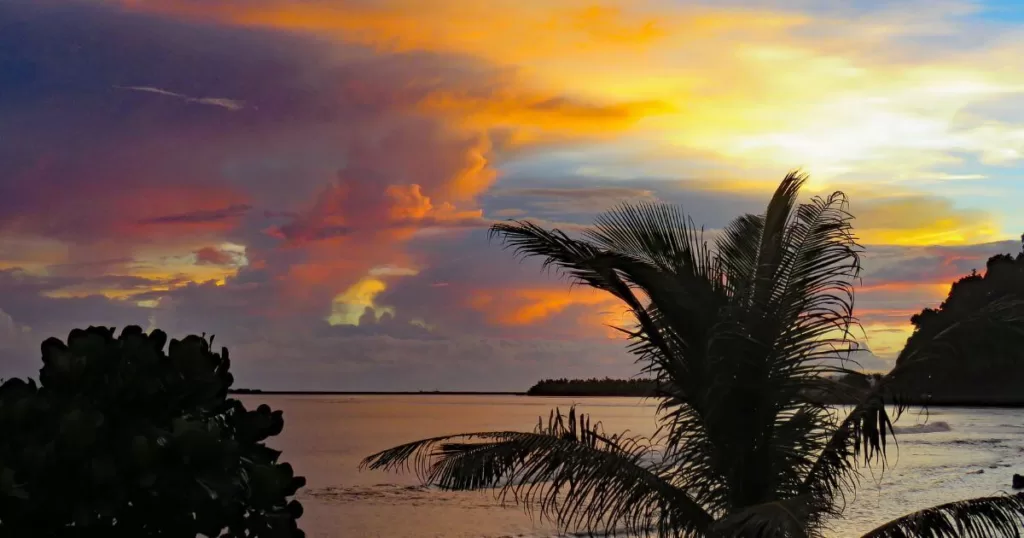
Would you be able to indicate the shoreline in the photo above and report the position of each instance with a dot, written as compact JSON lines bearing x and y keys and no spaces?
{"x":371,"y":393}
{"x":966,"y":403}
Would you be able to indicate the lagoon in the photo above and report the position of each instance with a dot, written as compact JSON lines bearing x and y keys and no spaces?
{"x":326,"y":436}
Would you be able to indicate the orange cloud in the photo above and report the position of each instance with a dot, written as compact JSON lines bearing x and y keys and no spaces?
{"x":763,"y":89}
{"x":365,"y":218}
{"x":545,"y":50}
{"x":528,"y":306}
{"x":352,"y":207}
{"x":503,"y":29}
{"x":539,"y":116}
{"x":409,"y":202}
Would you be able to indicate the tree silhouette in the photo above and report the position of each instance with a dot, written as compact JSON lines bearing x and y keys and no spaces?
{"x":971,"y":369}
{"x":594,"y":387}
{"x":122,"y":439}
{"x":740,"y":337}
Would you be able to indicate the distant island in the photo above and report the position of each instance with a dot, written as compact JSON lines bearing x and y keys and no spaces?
{"x":594,"y":387}
{"x":641,"y":388}
{"x":243,"y":391}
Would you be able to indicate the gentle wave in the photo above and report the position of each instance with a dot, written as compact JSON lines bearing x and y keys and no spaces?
{"x":395,"y":494}
{"x":931,"y":427}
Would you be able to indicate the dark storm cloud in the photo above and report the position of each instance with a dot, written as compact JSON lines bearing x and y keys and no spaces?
{"x":214,"y":215}
{"x":929,"y":264}
{"x":577,"y":199}
{"x":85,"y":158}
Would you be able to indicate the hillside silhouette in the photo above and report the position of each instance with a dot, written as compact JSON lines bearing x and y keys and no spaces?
{"x":962,"y":377}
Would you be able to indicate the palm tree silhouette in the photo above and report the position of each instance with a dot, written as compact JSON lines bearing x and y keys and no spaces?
{"x":740,"y":338}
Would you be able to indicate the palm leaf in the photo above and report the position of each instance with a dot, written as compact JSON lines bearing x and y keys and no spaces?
{"x":864,"y":432}
{"x":659,"y":235}
{"x":773,"y":233}
{"x":623,"y":256}
{"x":738,"y":247}
{"x":567,"y":256}
{"x":568,"y":472}
{"x":776,"y":519}
{"x":987,"y":517}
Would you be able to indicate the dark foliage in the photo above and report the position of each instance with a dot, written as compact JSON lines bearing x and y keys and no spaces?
{"x":854,"y":385}
{"x":594,"y":387}
{"x":970,"y":370}
{"x":565,"y":464}
{"x":987,"y":517}
{"x":120,"y":438}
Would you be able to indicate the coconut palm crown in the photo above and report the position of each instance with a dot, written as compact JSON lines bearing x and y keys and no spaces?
{"x":740,"y":333}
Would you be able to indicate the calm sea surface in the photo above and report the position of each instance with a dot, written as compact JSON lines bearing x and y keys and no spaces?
{"x":326,"y":436}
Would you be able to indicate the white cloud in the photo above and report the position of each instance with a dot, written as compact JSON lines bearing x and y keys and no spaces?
{"x":223,"y":102}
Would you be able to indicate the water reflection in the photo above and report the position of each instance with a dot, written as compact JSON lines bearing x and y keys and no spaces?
{"x":326,"y":436}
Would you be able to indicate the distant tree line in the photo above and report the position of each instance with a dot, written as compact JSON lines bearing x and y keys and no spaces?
{"x":638,"y":387}
{"x":594,"y":387}
{"x":245,"y":391}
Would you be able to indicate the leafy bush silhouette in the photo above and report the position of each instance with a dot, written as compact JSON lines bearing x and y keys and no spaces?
{"x":122,"y":439}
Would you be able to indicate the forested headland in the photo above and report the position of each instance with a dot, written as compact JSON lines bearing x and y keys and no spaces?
{"x":960,"y":377}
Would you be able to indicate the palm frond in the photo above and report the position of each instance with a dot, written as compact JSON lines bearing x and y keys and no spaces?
{"x":654,"y":250}
{"x":786,"y":518}
{"x":567,"y":256}
{"x":783,"y":337}
{"x":776,"y":219}
{"x":566,"y":471}
{"x":808,"y":336}
{"x":580,"y":260}
{"x":737,"y":248}
{"x":987,"y":517}
{"x":659,"y":235}
{"x":862,"y":436}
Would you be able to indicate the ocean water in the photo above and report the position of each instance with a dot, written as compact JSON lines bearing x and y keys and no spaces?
{"x":949,"y":454}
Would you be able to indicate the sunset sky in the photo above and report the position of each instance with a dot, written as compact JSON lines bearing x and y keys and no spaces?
{"x":312,"y":181}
